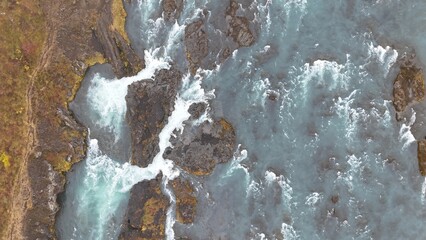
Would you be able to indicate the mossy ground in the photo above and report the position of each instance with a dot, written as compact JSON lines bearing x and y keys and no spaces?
{"x":119,"y":18}
{"x":21,"y":43}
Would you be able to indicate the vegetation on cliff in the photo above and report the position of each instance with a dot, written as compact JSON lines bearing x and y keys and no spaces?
{"x":45,"y":50}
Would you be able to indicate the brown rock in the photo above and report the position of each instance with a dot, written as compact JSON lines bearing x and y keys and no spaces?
{"x":185,"y":200}
{"x":408,"y":87}
{"x":149,"y":104}
{"x":199,"y":148}
{"x":146,"y":212}
{"x":196,"y":44}
{"x":421,"y":156}
{"x":172,"y":9}
{"x":239,"y":26}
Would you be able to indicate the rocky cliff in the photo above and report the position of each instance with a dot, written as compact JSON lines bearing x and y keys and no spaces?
{"x":53,"y":45}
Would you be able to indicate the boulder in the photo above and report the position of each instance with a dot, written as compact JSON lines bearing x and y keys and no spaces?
{"x":149,"y":104}
{"x":199,"y":148}
{"x":408,"y":88}
{"x":196,"y":44}
{"x":172,"y":9}
{"x":146,"y":212}
{"x":186,"y":200}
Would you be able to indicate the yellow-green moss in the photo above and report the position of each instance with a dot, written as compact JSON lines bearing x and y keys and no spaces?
{"x":95,"y":59}
{"x":119,"y":18}
{"x":62,"y":166}
{"x":5,"y":159}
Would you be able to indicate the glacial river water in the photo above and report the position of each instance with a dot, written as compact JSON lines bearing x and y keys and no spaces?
{"x":326,"y":160}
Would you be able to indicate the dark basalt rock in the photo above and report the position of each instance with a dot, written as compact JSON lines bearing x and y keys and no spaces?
{"x":196,"y":44}
{"x":198,"y":149}
{"x":149,"y":104}
{"x":146,"y":212}
{"x":172,"y":9}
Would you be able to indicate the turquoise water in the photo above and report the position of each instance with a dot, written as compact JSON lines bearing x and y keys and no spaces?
{"x":326,"y":160}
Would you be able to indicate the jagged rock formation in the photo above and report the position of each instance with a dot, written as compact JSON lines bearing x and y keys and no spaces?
{"x":172,"y":9}
{"x":55,"y":42}
{"x":186,"y":200}
{"x":239,"y":26}
{"x":408,"y":87}
{"x":201,"y":147}
{"x":146,"y":212}
{"x":149,"y":104}
{"x":196,"y":44}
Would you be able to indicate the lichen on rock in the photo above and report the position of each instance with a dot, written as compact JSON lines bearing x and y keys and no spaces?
{"x":200,"y":147}
{"x":186,"y":200}
{"x":146,"y":212}
{"x":408,"y":87}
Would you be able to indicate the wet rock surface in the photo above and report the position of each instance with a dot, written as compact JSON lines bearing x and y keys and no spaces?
{"x":199,"y":148}
{"x":146,"y":213}
{"x":421,"y":154}
{"x":186,"y":200}
{"x":239,"y":26}
{"x":149,"y":104}
{"x":408,"y":88}
{"x":172,"y":9}
{"x":196,"y":44}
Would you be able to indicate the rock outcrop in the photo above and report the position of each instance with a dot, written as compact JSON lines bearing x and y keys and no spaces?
{"x":421,"y":155}
{"x":186,"y":200}
{"x":239,"y":26}
{"x":149,"y":104}
{"x":408,"y":88}
{"x":146,"y":212}
{"x":199,"y":148}
{"x":53,"y":43}
{"x":172,"y":9}
{"x":196,"y":44}
{"x":196,"y":150}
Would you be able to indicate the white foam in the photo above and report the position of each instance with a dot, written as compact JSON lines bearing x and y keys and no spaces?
{"x":107,"y":96}
{"x":288,"y":232}
{"x":423,"y":196}
{"x":386,"y":56}
{"x":405,"y":134}
{"x":313,"y":199}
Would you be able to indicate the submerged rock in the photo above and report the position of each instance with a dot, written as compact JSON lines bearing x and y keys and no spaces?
{"x":408,"y":88}
{"x":172,"y":9}
{"x":199,"y":148}
{"x":421,"y":155}
{"x":239,"y":26}
{"x":149,"y":104}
